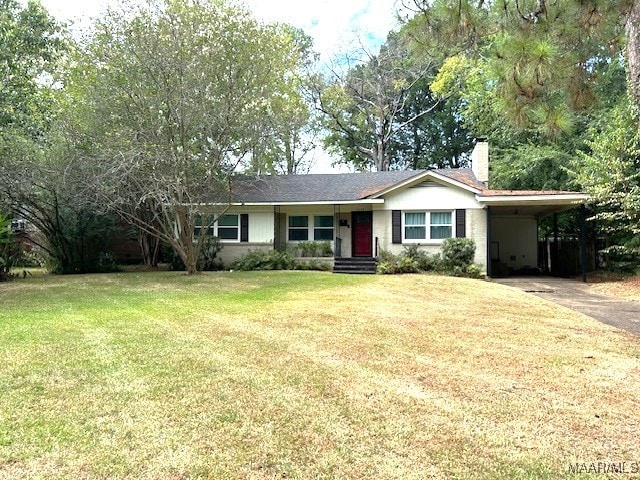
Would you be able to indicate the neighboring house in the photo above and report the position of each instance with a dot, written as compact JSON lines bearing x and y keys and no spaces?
{"x":363,"y":213}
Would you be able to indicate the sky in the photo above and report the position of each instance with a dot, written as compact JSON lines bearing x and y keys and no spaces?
{"x":336,"y":26}
{"x":333,"y":24}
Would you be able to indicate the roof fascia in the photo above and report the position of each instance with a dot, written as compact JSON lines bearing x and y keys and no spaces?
{"x":541,"y":199}
{"x":367,"y":201}
{"x":419,"y":178}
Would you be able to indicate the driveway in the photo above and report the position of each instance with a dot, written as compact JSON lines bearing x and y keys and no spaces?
{"x":623,"y":314}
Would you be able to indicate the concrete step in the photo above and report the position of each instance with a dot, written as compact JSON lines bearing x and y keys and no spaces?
{"x":357,"y":265}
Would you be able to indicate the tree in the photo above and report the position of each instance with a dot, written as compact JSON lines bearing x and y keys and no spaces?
{"x":182,"y":90}
{"x":291,"y":132}
{"x":610,"y":171}
{"x":30,"y":45}
{"x":362,"y":101}
{"x":436,"y":140}
{"x":39,"y":179}
{"x":537,"y":56}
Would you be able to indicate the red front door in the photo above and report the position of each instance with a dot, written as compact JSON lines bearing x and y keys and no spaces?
{"x":362,"y":237}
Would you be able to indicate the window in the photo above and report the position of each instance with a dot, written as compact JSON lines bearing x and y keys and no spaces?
{"x":198,"y":228}
{"x":305,"y":227}
{"x":298,"y":228}
{"x":415,"y":226}
{"x":441,"y":226}
{"x":226,"y":228}
{"x":428,"y":225}
{"x":323,"y":227}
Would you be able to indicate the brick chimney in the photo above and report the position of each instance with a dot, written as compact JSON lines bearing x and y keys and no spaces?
{"x":480,"y":161}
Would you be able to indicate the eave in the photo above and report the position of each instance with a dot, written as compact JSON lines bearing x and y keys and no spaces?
{"x":429,"y":174}
{"x":569,"y":199}
{"x":365,"y":201}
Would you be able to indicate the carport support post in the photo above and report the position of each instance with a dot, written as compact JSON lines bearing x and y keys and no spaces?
{"x":583,"y":242}
{"x":555,"y":251}
{"x":489,"y":272}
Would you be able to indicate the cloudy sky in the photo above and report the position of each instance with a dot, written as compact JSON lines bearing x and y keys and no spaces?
{"x":335,"y":25}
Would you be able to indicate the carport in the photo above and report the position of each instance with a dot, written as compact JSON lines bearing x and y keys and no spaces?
{"x":513,"y":217}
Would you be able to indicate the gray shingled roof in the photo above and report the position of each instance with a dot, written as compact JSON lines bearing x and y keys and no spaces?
{"x":340,"y":187}
{"x":346,"y":187}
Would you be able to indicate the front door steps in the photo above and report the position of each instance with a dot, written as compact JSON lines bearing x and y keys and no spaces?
{"x":360,"y":265}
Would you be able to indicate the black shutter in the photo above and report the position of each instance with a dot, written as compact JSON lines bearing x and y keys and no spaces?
{"x":244,"y":227}
{"x":461,"y":223}
{"x":396,"y":226}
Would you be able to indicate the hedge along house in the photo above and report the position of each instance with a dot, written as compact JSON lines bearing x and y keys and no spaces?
{"x":362,"y":213}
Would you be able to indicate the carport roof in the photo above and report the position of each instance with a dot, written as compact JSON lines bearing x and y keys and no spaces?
{"x":530,"y":202}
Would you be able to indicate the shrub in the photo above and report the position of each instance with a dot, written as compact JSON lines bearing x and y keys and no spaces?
{"x":265,"y":260}
{"x":313,"y":265}
{"x":107,"y":263}
{"x":310,"y":249}
{"x":387,"y":263}
{"x":473,"y":271}
{"x":207,"y":259}
{"x":458,"y":253}
{"x":456,"y":259}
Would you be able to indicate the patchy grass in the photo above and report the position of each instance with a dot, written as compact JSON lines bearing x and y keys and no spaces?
{"x":267,"y":375}
{"x":615,"y":285}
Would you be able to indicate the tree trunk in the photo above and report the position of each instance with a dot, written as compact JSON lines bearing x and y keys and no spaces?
{"x":190,"y":258}
{"x":632,"y":28}
{"x":150,"y":247}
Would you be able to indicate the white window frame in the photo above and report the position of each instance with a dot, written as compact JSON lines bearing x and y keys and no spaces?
{"x":311,"y":228}
{"x":215,"y":228}
{"x":427,"y":226}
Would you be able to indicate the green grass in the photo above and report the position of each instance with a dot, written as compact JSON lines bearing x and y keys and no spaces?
{"x":306,"y":375}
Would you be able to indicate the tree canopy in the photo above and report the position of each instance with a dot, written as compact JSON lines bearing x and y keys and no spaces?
{"x":152,"y":113}
{"x":183,"y":91}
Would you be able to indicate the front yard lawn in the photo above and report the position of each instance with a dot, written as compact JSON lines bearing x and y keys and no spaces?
{"x":304,"y":375}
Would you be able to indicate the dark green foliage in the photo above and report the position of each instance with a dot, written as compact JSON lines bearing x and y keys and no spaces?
{"x":610,"y":172}
{"x":313,"y":264}
{"x":531,"y":167}
{"x":457,"y":254}
{"x":80,"y":241}
{"x":278,"y":260}
{"x":265,"y":260}
{"x":9,"y":250}
{"x":456,"y":259}
{"x":208,"y":260}
{"x":310,"y":249}
{"x":411,"y":260}
{"x":437,"y":139}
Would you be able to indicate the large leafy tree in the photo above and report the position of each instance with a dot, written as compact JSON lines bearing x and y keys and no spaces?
{"x":435,"y":140}
{"x":290,"y":131}
{"x":180,"y":92}
{"x":39,"y":177}
{"x":364,"y":102}
{"x":536,"y":56}
{"x":610,"y":170}
{"x":544,"y":80}
{"x":30,"y":44}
